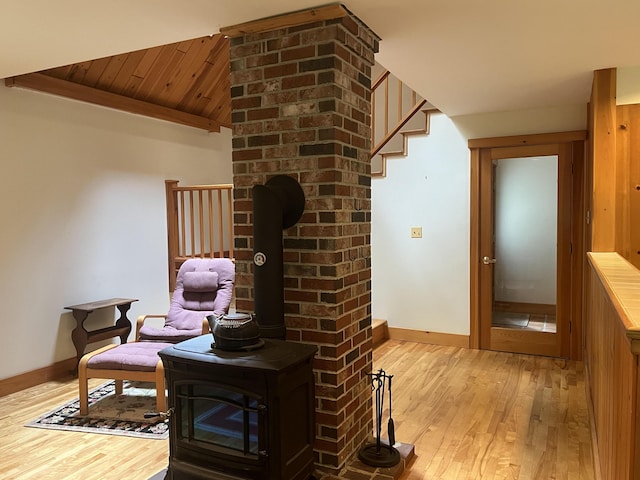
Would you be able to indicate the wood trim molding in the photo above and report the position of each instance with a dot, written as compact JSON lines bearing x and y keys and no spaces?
{"x":474,"y":250}
{"x":533,"y":308}
{"x":573,"y":143}
{"x":525,"y":140}
{"x":59,"y":370}
{"x":302,"y":17}
{"x":435,"y":338}
{"x":64,"y":88}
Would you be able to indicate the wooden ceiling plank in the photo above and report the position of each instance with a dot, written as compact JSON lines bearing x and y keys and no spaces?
{"x":218,"y":79}
{"x":221,"y":45}
{"x":215,"y":108}
{"x":218,"y":107}
{"x":95,"y":71}
{"x":59,"y":72}
{"x":165,"y":82}
{"x":148,"y":60}
{"x":189,"y":71}
{"x":220,"y":112}
{"x":132,"y":86}
{"x":216,"y":45}
{"x":56,"y":86}
{"x":211,"y":84}
{"x":120,"y":82}
{"x":184,"y":46}
{"x":156,"y":76}
{"x":78,"y":71}
{"x":201,"y":78}
{"x":302,"y":17}
{"x":198,"y":106}
{"x":113,"y":68}
{"x":195,"y":94}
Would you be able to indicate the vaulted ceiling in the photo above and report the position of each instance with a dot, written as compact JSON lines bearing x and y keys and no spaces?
{"x":465,"y":56}
{"x":185,"y":82}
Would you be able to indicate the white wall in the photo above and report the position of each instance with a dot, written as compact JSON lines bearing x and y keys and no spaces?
{"x":564,"y":118}
{"x":83,"y":218}
{"x":423,"y":284}
{"x":82,"y":207}
{"x":628,"y":85}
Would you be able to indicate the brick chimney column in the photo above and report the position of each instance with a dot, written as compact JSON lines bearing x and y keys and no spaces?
{"x":301,"y":100}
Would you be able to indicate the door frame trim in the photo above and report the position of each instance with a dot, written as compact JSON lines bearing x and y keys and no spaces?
{"x":576,"y":141}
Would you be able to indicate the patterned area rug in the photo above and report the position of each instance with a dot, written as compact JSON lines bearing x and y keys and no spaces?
{"x":110,"y":413}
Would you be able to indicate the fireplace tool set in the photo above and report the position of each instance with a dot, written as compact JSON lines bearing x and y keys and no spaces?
{"x":379,"y":454}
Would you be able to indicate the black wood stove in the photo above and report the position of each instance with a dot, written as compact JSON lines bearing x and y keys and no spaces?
{"x":240,"y":414}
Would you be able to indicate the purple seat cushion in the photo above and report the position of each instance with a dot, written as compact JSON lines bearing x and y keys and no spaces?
{"x":136,"y":356}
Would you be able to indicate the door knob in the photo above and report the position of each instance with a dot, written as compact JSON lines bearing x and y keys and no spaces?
{"x":488,"y":260}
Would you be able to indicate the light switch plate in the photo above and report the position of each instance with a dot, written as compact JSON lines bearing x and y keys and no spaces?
{"x":416,"y":232}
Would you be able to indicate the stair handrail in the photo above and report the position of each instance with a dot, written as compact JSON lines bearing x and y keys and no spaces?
{"x":417,"y":103}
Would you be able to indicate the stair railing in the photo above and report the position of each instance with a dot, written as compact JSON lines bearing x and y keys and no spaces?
{"x":199,"y":223}
{"x":406,"y":101}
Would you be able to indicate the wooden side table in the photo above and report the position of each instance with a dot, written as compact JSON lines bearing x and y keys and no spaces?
{"x":81,"y":336}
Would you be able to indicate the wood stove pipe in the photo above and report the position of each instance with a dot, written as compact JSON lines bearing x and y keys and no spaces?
{"x":278,"y":204}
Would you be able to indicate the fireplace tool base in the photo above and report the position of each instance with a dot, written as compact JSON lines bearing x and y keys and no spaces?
{"x":378,"y":454}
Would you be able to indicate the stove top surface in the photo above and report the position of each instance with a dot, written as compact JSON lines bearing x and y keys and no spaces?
{"x":274,"y":355}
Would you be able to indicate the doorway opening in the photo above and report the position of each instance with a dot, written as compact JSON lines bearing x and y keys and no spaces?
{"x":526,"y":244}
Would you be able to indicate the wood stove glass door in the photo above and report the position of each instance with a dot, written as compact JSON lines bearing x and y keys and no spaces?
{"x":219,"y":418}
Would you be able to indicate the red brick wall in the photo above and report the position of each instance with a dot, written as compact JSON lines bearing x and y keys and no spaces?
{"x":302,"y":107}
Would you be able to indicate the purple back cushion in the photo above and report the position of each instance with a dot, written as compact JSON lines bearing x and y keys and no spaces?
{"x":203,"y":287}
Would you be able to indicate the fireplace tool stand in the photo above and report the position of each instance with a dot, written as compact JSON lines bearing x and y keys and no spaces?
{"x":378,"y":454}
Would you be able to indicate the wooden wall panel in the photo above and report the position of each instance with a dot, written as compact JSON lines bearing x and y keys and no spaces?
{"x":628,"y":183}
{"x":612,"y":366}
{"x":602,"y":116}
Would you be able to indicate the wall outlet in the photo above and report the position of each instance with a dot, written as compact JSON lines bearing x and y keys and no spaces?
{"x":416,"y":232}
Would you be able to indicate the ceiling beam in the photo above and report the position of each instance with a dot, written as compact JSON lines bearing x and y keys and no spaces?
{"x":64,"y":88}
{"x":302,"y":17}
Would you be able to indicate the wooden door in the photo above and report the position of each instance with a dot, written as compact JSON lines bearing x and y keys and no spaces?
{"x":524,"y":249}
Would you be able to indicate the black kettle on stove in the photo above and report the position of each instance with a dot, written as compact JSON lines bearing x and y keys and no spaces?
{"x":234,"y":331}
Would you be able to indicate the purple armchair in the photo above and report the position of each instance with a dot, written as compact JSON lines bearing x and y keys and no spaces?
{"x":204,"y":286}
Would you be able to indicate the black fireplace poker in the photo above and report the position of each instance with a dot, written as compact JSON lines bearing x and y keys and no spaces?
{"x":379,"y":454}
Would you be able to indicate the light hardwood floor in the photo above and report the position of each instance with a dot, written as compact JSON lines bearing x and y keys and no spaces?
{"x":475,"y":414}
{"x":36,"y":453}
{"x":471,"y":415}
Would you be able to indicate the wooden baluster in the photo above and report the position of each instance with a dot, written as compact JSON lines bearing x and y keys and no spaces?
{"x":183,"y":240}
{"x":201,"y":222}
{"x":386,"y":106}
{"x":192,"y":228}
{"x":400,"y":106}
{"x":221,"y":233}
{"x":230,"y":220}
{"x":172,"y":229}
{"x":211,"y":237}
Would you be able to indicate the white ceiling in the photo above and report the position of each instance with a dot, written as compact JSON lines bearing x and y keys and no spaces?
{"x":464,"y":56}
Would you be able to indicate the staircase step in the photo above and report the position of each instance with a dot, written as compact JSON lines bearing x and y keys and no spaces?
{"x":380,"y":332}
{"x":397,"y":145}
